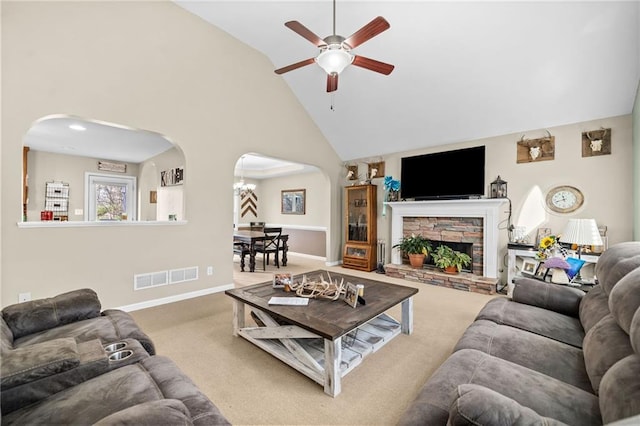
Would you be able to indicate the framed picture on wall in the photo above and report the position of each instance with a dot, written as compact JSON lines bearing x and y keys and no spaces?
{"x":293,"y":201}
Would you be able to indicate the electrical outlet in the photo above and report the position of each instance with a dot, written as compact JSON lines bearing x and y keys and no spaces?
{"x":209,"y":270}
{"x":24,"y":297}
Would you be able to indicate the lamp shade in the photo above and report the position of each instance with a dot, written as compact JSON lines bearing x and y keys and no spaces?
{"x":334,"y":59}
{"x":583,"y":232}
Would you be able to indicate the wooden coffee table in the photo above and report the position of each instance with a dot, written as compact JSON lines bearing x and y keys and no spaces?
{"x":325,"y":339}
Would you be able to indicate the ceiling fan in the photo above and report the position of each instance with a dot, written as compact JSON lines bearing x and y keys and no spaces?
{"x":335,"y":50}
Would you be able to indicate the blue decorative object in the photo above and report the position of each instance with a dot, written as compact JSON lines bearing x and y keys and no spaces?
{"x":574,"y":266}
{"x":391,"y":187}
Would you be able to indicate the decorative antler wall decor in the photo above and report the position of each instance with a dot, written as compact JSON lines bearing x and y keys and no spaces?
{"x":376,"y":170}
{"x":533,"y":150}
{"x":596,"y":142}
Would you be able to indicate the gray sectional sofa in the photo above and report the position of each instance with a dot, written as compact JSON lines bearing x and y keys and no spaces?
{"x":66,"y":362}
{"x":550,"y":355}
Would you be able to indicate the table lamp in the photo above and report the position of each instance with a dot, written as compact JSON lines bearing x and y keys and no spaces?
{"x":583,"y":232}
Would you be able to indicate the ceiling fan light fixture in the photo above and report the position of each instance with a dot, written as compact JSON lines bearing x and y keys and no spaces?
{"x":334,"y":59}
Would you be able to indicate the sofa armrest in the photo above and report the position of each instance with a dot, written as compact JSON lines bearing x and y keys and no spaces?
{"x":160,"y":412}
{"x":43,"y":314}
{"x":34,"y":362}
{"x":562,"y":299}
{"x":477,"y":405}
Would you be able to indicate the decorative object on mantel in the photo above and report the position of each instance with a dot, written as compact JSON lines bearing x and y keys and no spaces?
{"x":498,"y":188}
{"x":416,"y":247}
{"x":449,"y":260}
{"x":596,"y":142}
{"x":107,"y":166}
{"x":391,"y":191}
{"x":541,"y":149}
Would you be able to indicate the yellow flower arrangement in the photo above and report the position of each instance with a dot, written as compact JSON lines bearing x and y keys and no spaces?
{"x":548,"y":245}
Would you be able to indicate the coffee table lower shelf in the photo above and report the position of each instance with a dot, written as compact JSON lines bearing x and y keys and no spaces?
{"x":309,"y":353}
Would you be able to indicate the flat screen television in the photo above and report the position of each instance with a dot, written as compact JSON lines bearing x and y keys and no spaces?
{"x":443,"y":175}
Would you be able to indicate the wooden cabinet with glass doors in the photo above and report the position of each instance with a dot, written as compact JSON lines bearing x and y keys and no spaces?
{"x":360,"y":223}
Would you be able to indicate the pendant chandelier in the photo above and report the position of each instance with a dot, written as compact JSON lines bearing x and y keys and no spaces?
{"x":241,"y":188}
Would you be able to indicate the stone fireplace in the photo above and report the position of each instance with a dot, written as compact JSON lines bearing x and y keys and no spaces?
{"x":471,"y":225}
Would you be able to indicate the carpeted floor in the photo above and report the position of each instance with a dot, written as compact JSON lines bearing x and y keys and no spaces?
{"x":252,"y":387}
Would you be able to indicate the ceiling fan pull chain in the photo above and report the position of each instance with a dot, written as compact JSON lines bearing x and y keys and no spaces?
{"x":333,"y":97}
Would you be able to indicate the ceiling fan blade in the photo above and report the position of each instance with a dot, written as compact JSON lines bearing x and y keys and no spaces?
{"x":294,"y":66}
{"x":367,"y":32}
{"x":372,"y":64}
{"x":305,"y":32}
{"x":332,"y":82}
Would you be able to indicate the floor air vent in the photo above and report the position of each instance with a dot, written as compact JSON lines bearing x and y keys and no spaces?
{"x":152,"y":279}
{"x":182,"y":275}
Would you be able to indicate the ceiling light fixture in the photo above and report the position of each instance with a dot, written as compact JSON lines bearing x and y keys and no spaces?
{"x":334,"y":59}
{"x":77,"y":127}
{"x":241,"y":188}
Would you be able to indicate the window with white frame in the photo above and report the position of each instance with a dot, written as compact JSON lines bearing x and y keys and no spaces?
{"x":109,"y":197}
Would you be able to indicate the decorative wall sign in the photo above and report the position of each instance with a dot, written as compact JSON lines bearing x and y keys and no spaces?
{"x":532,"y":150}
{"x":171,"y":177}
{"x":107,"y":166}
{"x":596,"y":142}
{"x":249,"y":204}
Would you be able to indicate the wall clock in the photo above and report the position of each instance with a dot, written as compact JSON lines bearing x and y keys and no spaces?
{"x":564,"y":199}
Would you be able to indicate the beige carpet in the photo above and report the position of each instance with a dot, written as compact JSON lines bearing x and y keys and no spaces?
{"x":252,"y":387}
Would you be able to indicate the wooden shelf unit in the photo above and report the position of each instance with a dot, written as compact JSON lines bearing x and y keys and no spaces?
{"x":360,"y":228}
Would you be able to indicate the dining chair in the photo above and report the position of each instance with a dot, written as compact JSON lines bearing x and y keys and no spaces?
{"x":242,"y":250}
{"x":270,"y":244}
{"x":256,"y":226}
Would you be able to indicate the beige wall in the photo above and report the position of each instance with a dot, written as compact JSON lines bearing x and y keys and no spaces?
{"x":317,"y":194}
{"x":604,"y":180}
{"x":152,"y":66}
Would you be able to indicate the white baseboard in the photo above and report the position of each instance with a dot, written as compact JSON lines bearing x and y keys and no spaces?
{"x":307,"y":256}
{"x":176,"y":298}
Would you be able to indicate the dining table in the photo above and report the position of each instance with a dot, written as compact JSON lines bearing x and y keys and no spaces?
{"x":249,"y":238}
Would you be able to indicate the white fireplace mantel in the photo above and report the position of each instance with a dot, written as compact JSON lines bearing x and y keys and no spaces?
{"x":486,"y":208}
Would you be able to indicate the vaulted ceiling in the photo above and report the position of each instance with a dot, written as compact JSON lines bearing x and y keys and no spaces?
{"x":463,"y":70}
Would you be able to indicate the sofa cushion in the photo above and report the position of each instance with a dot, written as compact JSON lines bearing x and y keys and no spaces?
{"x":112,"y":326}
{"x":616,"y":262}
{"x":620,"y":390}
{"x":553,"y":325}
{"x":624,"y":299}
{"x":548,"y":356}
{"x":477,"y":405}
{"x":593,"y":307}
{"x":163,"y":412}
{"x":561,"y":299}
{"x":152,"y":379}
{"x":6,"y":336}
{"x":545,"y":395}
{"x":43,"y":314}
{"x":24,"y":365}
{"x":604,"y":345}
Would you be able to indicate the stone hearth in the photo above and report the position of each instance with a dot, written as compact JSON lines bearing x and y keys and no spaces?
{"x":470,"y":221}
{"x":463,"y":281}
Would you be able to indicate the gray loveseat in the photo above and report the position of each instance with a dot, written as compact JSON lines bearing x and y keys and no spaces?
{"x":550,"y":355}
{"x":66,"y":362}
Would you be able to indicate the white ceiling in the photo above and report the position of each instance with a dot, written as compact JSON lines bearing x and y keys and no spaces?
{"x":463,"y":70}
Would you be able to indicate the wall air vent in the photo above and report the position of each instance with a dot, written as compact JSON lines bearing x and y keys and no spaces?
{"x":152,"y":279}
{"x":183,"y":274}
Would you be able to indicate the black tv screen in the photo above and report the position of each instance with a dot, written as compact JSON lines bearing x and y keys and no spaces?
{"x":448,"y":174}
